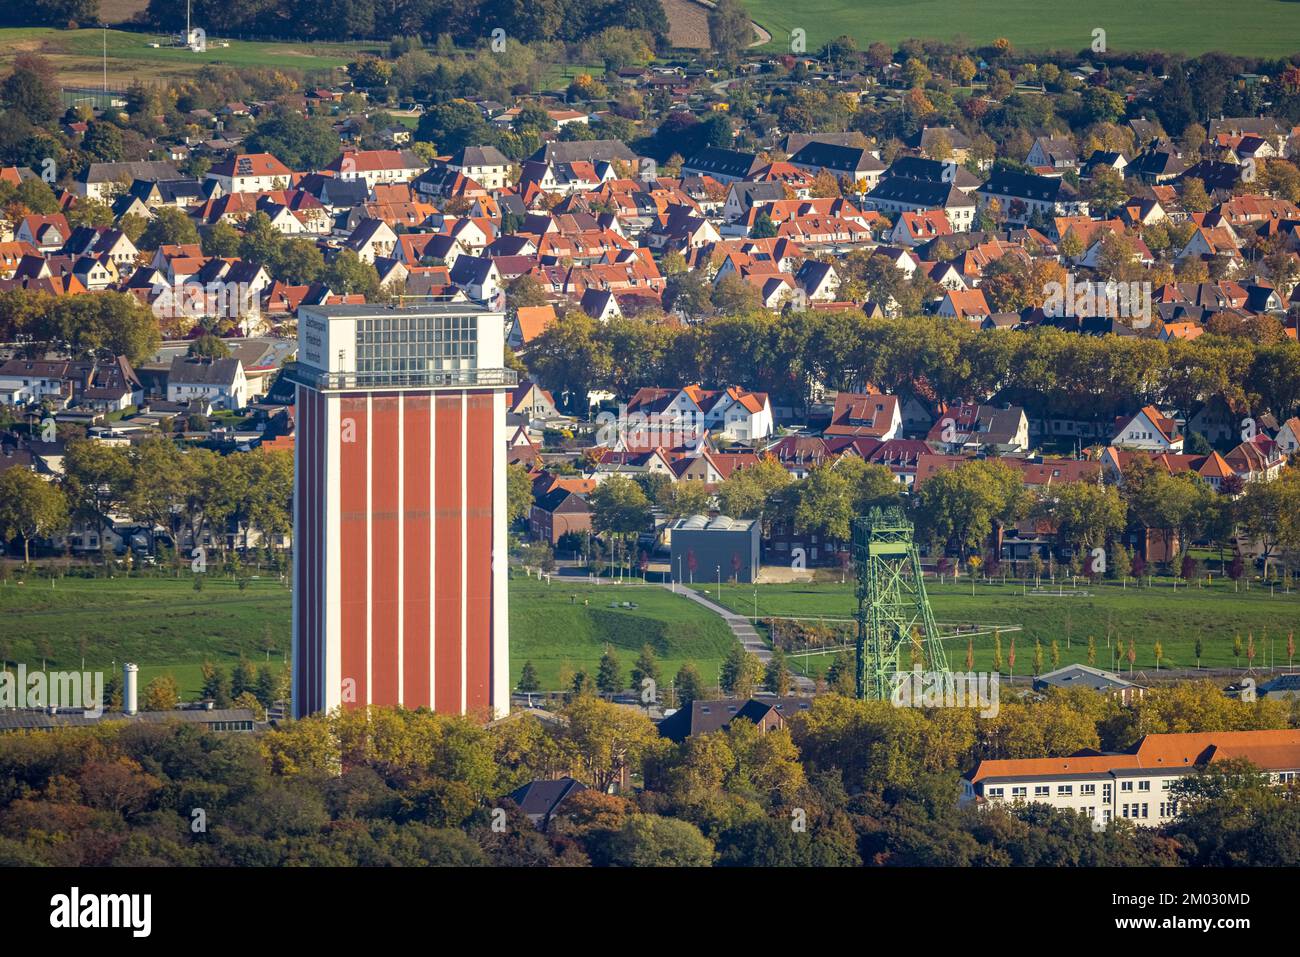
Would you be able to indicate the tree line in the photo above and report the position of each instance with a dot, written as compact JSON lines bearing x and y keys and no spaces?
{"x":959,"y":510}
{"x":870,"y":784}
{"x":195,"y":495}
{"x":1046,"y":370}
{"x":466,"y":21}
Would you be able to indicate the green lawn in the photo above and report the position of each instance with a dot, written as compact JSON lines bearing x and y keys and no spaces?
{"x":553,"y":630}
{"x":163,"y":625}
{"x":78,"y":54}
{"x":1247,"y":27}
{"x":1175,"y":618}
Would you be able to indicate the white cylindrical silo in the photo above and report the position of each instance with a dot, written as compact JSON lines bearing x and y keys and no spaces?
{"x":130,"y":681}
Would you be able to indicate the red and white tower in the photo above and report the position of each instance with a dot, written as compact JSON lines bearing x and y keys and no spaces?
{"x":400,"y":509}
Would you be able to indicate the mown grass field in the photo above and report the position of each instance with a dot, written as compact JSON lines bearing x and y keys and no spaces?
{"x":551,"y":627}
{"x":162,"y":624}
{"x":1246,"y":27}
{"x":1145,"y":615}
{"x":165,"y":626}
{"x":78,"y":54}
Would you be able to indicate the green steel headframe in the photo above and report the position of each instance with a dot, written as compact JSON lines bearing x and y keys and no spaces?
{"x":892,"y":604}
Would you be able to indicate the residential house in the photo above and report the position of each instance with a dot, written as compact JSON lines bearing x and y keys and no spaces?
{"x":250,"y":173}
{"x":868,"y":416}
{"x":1149,"y":429}
{"x":1026,"y":196}
{"x":220,"y":381}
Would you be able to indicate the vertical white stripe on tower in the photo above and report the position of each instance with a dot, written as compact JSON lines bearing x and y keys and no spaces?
{"x":464,"y":551}
{"x":331,"y":600}
{"x":299,"y":493}
{"x":433,"y":550}
{"x":500,"y":641}
{"x":401,"y":539}
{"x":370,"y":550}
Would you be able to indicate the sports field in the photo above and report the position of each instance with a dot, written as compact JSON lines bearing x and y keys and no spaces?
{"x":1245,"y":27}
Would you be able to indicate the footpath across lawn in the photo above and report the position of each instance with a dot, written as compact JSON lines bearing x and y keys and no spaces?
{"x":552,"y":627}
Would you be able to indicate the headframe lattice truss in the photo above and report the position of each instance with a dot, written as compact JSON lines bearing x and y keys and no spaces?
{"x":893,"y":609}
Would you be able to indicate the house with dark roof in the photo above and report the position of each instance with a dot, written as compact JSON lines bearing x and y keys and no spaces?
{"x":1025,"y":196}
{"x":99,"y":385}
{"x":705,"y":717}
{"x":724,"y":165}
{"x":913,"y":185}
{"x":1057,"y":152}
{"x":168,"y":192}
{"x":477,"y":277}
{"x":744,"y":196}
{"x":1284,"y":687}
{"x":588,"y":151}
{"x":1217,"y":177}
{"x":928,"y":139}
{"x":556,"y":514}
{"x":221,"y":381}
{"x":852,"y":163}
{"x":972,"y":427}
{"x":99,"y":180}
{"x":542,"y":800}
{"x":1159,"y":163}
{"x":486,"y":165}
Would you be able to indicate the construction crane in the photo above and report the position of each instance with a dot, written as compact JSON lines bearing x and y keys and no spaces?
{"x":893,"y":609}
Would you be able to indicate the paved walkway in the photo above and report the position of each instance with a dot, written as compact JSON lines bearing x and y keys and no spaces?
{"x":742,"y":628}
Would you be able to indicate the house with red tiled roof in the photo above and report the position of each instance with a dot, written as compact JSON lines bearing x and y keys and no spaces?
{"x":799,"y":454}
{"x":251,"y":173}
{"x":1148,"y":429}
{"x":530,"y":322}
{"x":47,"y":233}
{"x":378,"y":166}
{"x":735,"y":411}
{"x":965,"y":304}
{"x":915,"y":228}
{"x":529,"y":401}
{"x":1259,"y":459}
{"x":869,"y":416}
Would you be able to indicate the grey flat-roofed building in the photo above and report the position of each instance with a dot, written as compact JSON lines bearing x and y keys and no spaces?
{"x":1283,"y":686}
{"x":703,"y":549}
{"x":214,"y":719}
{"x":1083,"y":676}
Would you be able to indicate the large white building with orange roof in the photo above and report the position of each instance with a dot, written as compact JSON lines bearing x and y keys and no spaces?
{"x":1135,"y":784}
